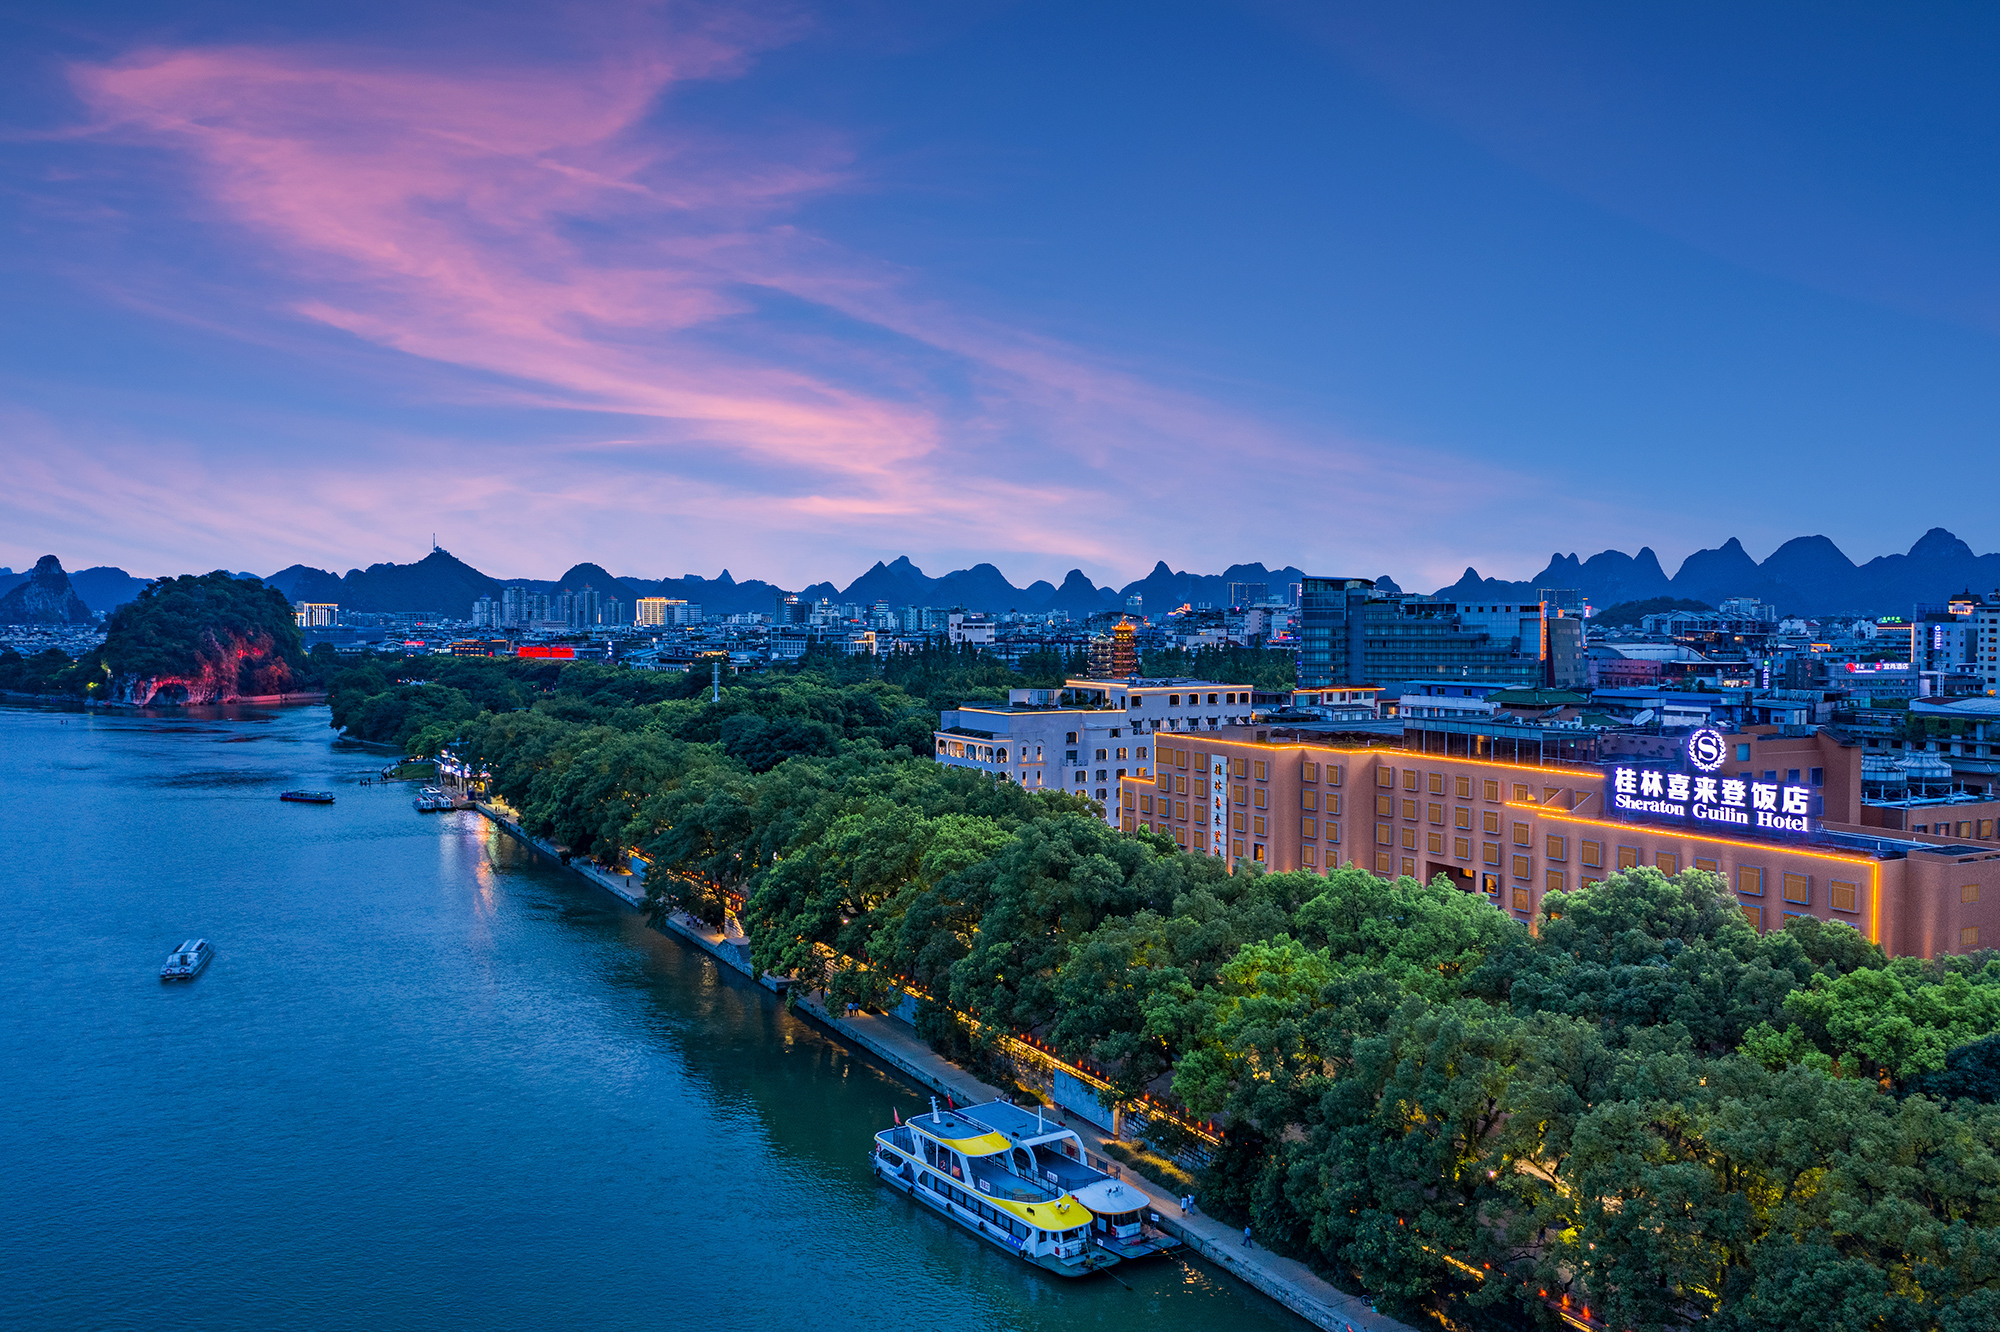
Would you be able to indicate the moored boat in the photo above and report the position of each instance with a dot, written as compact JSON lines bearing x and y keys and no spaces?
{"x":307,"y":797}
{"x":1022,"y":1183}
{"x":432,"y":800}
{"x":188,"y":960}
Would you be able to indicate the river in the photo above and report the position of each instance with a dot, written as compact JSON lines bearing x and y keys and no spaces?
{"x":428,"y":1082}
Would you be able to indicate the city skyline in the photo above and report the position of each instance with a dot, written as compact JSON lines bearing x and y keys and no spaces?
{"x":790,"y":291}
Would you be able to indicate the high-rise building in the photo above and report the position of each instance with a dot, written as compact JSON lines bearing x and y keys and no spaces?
{"x":652,"y":611}
{"x":485,"y":613}
{"x":1247,"y":594}
{"x":317,"y":614}
{"x":1350,"y":634}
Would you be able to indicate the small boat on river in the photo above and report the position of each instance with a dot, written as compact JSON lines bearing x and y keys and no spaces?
{"x":433,"y":800}
{"x":187,"y":960}
{"x":307,"y":797}
{"x":1022,"y":1183}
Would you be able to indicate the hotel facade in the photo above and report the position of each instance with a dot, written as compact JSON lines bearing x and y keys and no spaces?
{"x":1781,"y":817}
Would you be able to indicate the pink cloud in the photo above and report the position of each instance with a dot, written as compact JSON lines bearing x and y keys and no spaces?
{"x":557,"y":238}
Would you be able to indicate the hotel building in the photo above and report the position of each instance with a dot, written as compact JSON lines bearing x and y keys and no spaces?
{"x":1518,"y":811}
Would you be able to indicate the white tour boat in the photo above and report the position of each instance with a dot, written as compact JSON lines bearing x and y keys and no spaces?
{"x":1021,"y":1182}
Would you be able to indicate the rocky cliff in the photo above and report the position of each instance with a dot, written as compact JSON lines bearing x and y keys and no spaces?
{"x":46,"y":598}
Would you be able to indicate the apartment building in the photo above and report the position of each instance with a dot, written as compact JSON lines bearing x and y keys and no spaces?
{"x":1518,"y":830}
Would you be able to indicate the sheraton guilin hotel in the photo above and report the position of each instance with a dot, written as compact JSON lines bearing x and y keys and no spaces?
{"x":1794,"y":816}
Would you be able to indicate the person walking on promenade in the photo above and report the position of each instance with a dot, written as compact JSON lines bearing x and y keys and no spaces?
{"x":1246,"y":1237}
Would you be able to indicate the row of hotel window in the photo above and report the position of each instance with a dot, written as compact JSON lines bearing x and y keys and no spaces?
{"x":1435,"y":783}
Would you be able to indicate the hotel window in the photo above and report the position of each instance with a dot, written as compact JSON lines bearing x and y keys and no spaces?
{"x":1489,"y":853}
{"x":1437,"y":783}
{"x":1965,"y":830}
{"x":1464,"y":788}
{"x":1130,"y":823}
{"x":1240,"y":794}
{"x":1180,"y":784}
{"x":1145,"y":804}
{"x":1332,"y":805}
{"x":1409,"y":779}
{"x":1308,"y":856}
{"x":1492,"y":791}
{"x":1628,"y":857}
{"x":1461,"y":848}
{"x":1122,"y":754}
{"x":1201,"y":839}
{"x":1409,"y":868}
{"x":1435,"y":813}
{"x":1385,"y":807}
{"x":1409,"y":839}
{"x":1750,"y":880}
{"x":1555,"y":881}
{"x":1522,"y":902}
{"x":1180,"y":758}
{"x":1236,"y":821}
{"x":1704,"y":864}
{"x":1969,"y":893}
{"x":1556,"y":848}
{"x":1409,"y":808}
{"x":1130,"y":803}
{"x":1180,"y":835}
{"x":1521,"y":795}
{"x":1166,"y":782}
{"x":1257,"y":795}
{"x":1385,"y":834}
{"x":1490,"y":824}
{"x":1239,"y":767}
{"x":1840,"y":895}
{"x":1385,"y":776}
{"x":1986,"y":830}
{"x":1308,"y":771}
{"x":1257,"y":826}
{"x":1262,"y":773}
{"x":1755,"y":915}
{"x":1100,"y":755}
{"x":1462,"y":818}
{"x":1968,"y":937}
{"x":1236,"y":847}
{"x":1308,"y":827}
{"x":1308,"y":800}
{"x":1069,"y":737}
{"x":1332,"y":832}
{"x":1524,"y":867}
{"x":1549,"y":794}
{"x":1521,"y":835}
{"x":1384,"y":863}
{"x":1180,"y":809}
{"x":1667,"y":862}
{"x":1798,"y":889}
{"x":1333,"y":774}
{"x":1592,"y":854}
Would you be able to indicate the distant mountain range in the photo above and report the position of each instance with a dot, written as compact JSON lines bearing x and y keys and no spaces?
{"x":1805,"y":576}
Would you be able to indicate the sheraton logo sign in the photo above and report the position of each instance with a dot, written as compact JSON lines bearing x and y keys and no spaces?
{"x":1701,"y":798}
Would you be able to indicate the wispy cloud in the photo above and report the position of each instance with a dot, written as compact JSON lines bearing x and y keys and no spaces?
{"x":553,"y":235}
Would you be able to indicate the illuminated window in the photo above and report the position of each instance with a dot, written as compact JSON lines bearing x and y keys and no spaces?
{"x":1262,"y":773}
{"x":1435,"y":813}
{"x":1409,"y":779}
{"x":1492,"y":791}
{"x":1555,"y":881}
{"x":1385,"y":807}
{"x":1308,"y":800}
{"x":1437,"y":783}
{"x":1628,"y":857}
{"x":1841,"y":895}
{"x":1704,"y":864}
{"x":1409,"y":868}
{"x":1145,"y":804}
{"x":1308,"y":771}
{"x":1257,"y":826}
{"x":1385,"y":834}
{"x":1236,"y":847}
{"x":1490,"y":853}
{"x":1332,"y":832}
{"x":1986,"y":830}
{"x":1968,"y":937}
{"x":1239,"y":767}
{"x":1524,"y":867}
{"x":1308,"y":856}
{"x":1332,"y":805}
{"x":1549,"y":794}
{"x":1258,"y":794}
{"x":1490,"y":822}
{"x":1333,"y":774}
{"x":1180,"y":809}
{"x":1385,"y":776}
{"x":1464,"y":787}
{"x":1798,"y":889}
{"x":1667,"y":862}
{"x":1750,"y":880}
{"x":1755,"y":915}
{"x":1409,"y":808}
{"x":1240,"y":794}
{"x":1384,"y":863}
{"x":1462,"y":818}
{"x":1556,"y":848}
{"x":1461,"y":848}
{"x":1969,"y":893}
{"x":1521,"y":795}
{"x":1308,"y":827}
{"x":1257,"y":851}
{"x":1436,"y":843}
{"x":1521,"y":900}
{"x":1409,"y":839}
{"x":1521,"y":835}
{"x":1180,"y":835}
{"x":1593,"y":854}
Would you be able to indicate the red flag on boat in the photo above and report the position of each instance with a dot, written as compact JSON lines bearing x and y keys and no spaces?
{"x":899,"y":1118}
{"x":947,"y":1102}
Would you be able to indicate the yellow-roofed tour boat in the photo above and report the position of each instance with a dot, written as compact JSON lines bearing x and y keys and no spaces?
{"x":1021,"y":1182}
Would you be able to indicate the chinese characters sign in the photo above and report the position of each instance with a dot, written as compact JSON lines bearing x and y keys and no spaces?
{"x":1768,"y":806}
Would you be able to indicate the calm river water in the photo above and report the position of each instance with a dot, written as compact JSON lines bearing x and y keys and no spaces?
{"x":428,"y":1082}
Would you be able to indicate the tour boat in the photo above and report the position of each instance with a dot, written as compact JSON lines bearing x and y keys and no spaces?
{"x":187,"y":960}
{"x":431,"y":800}
{"x":1020,"y":1182}
{"x":307,"y":797}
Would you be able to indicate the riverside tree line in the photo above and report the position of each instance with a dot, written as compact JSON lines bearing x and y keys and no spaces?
{"x":1642,"y":1106}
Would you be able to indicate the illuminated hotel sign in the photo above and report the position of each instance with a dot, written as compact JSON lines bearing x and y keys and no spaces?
{"x":1730,"y":801}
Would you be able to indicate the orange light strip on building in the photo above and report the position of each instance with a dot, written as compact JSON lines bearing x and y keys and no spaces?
{"x":1874,"y":866}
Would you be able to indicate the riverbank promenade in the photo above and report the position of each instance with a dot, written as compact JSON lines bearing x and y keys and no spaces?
{"x":896,"y":1043}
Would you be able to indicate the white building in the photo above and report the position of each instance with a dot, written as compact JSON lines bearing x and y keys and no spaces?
{"x":1085,"y":736}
